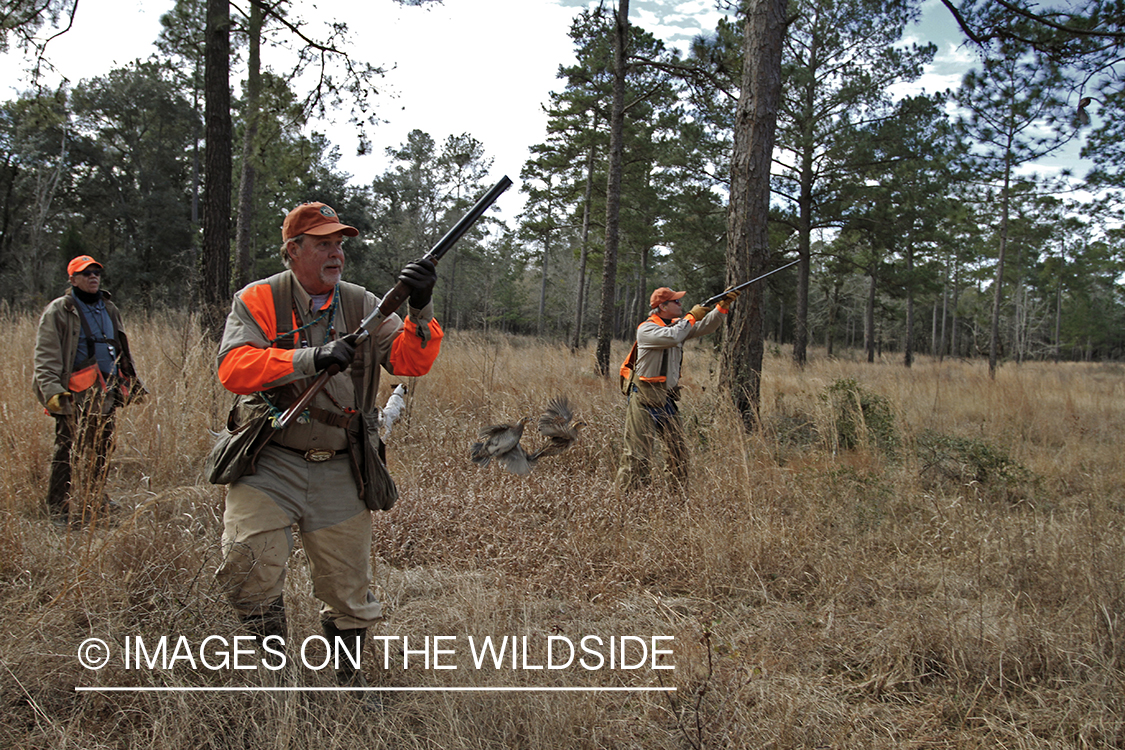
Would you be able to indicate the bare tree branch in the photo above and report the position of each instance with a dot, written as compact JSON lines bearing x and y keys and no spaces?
{"x":1043,"y":19}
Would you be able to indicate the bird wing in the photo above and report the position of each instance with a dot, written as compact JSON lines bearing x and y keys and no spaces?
{"x":501,"y":438}
{"x":1082,"y":115}
{"x":553,"y":448}
{"x":555,"y":421}
{"x":516,"y":461}
{"x":479,"y":455}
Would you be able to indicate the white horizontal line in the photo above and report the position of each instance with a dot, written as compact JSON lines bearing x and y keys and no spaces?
{"x":259,"y":689}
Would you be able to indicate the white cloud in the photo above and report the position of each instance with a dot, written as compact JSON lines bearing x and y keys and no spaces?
{"x":484,"y":68}
{"x":104,"y":36}
{"x":929,"y":82}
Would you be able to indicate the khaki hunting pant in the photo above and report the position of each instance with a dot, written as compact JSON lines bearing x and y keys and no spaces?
{"x":643,"y":425}
{"x":335,"y":529}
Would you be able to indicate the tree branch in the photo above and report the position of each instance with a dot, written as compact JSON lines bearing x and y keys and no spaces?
{"x":1039,"y":18}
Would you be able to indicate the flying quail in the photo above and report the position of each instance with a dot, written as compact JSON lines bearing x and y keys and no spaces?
{"x":1081,"y":115}
{"x":557,"y":425}
{"x":502,"y":442}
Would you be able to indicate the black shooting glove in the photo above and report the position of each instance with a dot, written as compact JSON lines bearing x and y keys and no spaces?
{"x":340,"y":352}
{"x":420,"y":276}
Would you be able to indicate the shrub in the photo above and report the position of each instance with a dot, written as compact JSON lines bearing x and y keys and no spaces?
{"x":970,"y":460}
{"x":859,"y":417}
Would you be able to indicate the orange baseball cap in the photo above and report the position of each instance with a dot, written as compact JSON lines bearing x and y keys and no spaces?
{"x":662,"y":295}
{"x":316,"y":219}
{"x":79,"y":264}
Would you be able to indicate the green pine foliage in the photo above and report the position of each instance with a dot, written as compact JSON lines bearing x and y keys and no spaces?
{"x":902,"y":205}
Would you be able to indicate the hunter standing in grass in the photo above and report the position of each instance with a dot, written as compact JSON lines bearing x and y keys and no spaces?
{"x":83,"y":372}
{"x":281,"y":333}
{"x":652,"y":383}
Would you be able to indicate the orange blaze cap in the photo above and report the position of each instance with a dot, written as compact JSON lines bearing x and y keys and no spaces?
{"x":81,"y":263}
{"x":662,"y":295}
{"x":316,"y":219}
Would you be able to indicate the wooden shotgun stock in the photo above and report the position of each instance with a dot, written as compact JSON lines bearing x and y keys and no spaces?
{"x":396,"y":296}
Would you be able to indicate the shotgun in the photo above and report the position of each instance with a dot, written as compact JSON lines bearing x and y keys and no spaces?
{"x":745,"y":284}
{"x":396,"y":296}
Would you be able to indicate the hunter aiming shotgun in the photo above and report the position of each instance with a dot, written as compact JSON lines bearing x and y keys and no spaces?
{"x":745,"y":284}
{"x":397,"y":295}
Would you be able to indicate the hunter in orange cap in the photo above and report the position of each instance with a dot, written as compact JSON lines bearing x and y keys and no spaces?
{"x":83,"y":372}
{"x":662,"y":295}
{"x":651,"y":379}
{"x":323,"y":471}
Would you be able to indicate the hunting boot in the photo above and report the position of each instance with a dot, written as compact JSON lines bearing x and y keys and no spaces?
{"x":346,"y":649}
{"x":268,"y":621}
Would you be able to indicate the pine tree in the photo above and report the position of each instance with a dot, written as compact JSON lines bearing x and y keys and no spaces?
{"x":1011,"y":111}
{"x":840,"y":59}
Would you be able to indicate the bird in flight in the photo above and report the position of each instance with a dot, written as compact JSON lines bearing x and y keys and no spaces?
{"x":502,"y":442}
{"x":1082,"y":116}
{"x":558,"y":425}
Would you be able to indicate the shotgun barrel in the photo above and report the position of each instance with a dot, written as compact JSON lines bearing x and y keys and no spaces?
{"x":745,"y":284}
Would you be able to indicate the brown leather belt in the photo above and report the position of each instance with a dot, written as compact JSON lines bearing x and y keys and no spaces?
{"x":313,"y":455}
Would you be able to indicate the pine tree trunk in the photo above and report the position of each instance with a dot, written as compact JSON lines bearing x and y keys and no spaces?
{"x":747,"y":234}
{"x":1058,"y":322}
{"x":215,"y":277}
{"x":954,"y":342}
{"x":943,"y":347}
{"x":997,"y":292}
{"x":613,"y":191}
{"x":245,"y":267}
{"x":586,"y":203}
{"x":908,"y":347}
{"x":804,"y":268}
{"x":869,"y":321}
{"x":543,"y":286}
{"x":832,"y":300}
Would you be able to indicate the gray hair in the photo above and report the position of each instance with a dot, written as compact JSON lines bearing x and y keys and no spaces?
{"x":284,"y":252}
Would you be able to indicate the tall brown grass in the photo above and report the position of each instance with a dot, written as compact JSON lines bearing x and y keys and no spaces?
{"x":943,"y":568}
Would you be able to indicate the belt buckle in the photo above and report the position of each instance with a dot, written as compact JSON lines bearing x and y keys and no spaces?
{"x":316,"y":456}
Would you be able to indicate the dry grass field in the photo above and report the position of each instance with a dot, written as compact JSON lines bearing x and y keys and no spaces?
{"x":941,"y":568}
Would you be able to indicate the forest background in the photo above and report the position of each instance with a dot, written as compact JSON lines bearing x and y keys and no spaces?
{"x":921,"y":219}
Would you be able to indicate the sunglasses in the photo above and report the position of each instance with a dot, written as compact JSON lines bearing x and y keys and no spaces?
{"x":91,"y":272}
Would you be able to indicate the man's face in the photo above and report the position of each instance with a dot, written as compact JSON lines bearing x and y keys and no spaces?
{"x":318,"y":261}
{"x":672,"y":309}
{"x":88,"y":279}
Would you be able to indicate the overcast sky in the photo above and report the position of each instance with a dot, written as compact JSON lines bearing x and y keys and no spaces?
{"x":482,"y":67}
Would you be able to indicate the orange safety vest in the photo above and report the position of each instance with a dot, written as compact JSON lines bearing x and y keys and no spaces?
{"x":270,"y":304}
